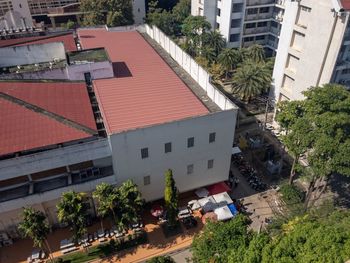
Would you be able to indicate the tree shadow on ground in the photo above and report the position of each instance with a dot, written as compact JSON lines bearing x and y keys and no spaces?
{"x":340,"y":186}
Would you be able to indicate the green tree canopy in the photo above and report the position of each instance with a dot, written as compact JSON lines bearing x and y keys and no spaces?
{"x":182,"y":10}
{"x":256,"y":53}
{"x":215,"y":41}
{"x":73,"y":211}
{"x":131,"y":202}
{"x":251,"y":79}
{"x":171,"y":197}
{"x":108,"y":200}
{"x":321,"y":124}
{"x":35,"y":226}
{"x":161,"y":259}
{"x":229,"y":59}
{"x":119,"y":12}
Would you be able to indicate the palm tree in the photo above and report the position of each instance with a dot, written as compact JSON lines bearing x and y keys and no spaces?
{"x":35,"y":226}
{"x":73,"y":211}
{"x":214,"y":40}
{"x":107,"y":198}
{"x":209,"y":54}
{"x":131,"y":202}
{"x":229,"y":58}
{"x":251,"y":79}
{"x":256,"y":53}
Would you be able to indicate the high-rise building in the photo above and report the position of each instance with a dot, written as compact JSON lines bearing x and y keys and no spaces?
{"x":309,"y":38}
{"x":244,"y":22}
{"x":313,"y":48}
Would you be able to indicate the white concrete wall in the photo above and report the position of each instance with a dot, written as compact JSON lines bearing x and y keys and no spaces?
{"x":128,"y":164}
{"x":139,"y":11}
{"x":200,"y":75}
{"x":317,"y":57}
{"x":98,"y":70}
{"x":31,"y":54}
{"x":10,"y":211}
{"x":54,"y":158}
{"x":22,"y":7}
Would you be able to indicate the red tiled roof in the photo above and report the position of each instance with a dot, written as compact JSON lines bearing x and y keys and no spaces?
{"x":24,"y":129}
{"x":346,"y":4}
{"x":67,"y":39}
{"x":69,"y":100}
{"x":151,"y":93}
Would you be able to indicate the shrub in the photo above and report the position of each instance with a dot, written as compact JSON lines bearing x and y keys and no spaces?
{"x":291,"y":194}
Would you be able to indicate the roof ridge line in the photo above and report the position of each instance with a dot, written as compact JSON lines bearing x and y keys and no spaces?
{"x":47,"y":113}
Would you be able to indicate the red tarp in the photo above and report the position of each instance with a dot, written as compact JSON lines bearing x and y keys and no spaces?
{"x":218,"y":188}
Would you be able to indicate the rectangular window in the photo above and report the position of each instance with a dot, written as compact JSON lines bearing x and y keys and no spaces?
{"x":264,"y":10}
{"x":144,"y":153}
{"x":147,"y":180}
{"x":210,"y":164}
{"x":237,"y":8}
{"x":234,"y":37}
{"x":250,"y":25}
{"x":262,"y":37}
{"x":212,"y":137}
{"x":217,"y":25}
{"x":219,"y":12}
{"x":262,"y":24}
{"x":167,"y":147}
{"x":235,"y":23}
{"x":190,"y":142}
{"x":252,"y":11}
{"x":190,"y":169}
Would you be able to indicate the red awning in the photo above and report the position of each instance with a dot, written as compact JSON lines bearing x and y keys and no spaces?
{"x":218,"y":188}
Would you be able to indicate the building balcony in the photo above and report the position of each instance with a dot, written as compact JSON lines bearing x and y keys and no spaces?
{"x":59,"y":181}
{"x":256,"y":30}
{"x":260,"y":2}
{"x":258,"y":17}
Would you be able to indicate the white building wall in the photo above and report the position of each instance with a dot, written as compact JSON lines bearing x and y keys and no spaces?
{"x":316,"y":49}
{"x":128,"y":164}
{"x":139,"y":11}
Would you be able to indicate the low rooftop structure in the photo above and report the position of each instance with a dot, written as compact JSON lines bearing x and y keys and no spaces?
{"x":145,"y":91}
{"x":66,"y":38}
{"x":43,"y":114}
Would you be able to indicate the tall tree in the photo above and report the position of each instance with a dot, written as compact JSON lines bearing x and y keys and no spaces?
{"x":256,"y":53}
{"x":327,"y":112}
{"x":35,"y":226}
{"x":251,"y":79}
{"x":182,"y":10}
{"x":118,"y":12}
{"x":108,"y":200}
{"x":194,"y":28}
{"x":131,"y":202}
{"x":73,"y":211}
{"x":209,"y":54}
{"x":229,"y":58}
{"x":215,"y":41}
{"x":171,"y":198}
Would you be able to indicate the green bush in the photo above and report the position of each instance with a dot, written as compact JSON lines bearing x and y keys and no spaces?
{"x":291,"y":194}
{"x":161,"y":259}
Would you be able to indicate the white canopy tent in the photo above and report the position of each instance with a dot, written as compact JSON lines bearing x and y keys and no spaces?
{"x":222,"y":199}
{"x":223,"y":213}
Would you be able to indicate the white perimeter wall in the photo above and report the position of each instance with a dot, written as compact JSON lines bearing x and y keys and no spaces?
{"x":128,"y":164}
{"x":200,"y":75}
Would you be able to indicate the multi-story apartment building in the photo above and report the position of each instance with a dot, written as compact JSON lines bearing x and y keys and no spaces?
{"x":313,"y":48}
{"x":57,"y":136}
{"x":309,"y":38}
{"x":244,"y":22}
{"x":50,"y":11}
